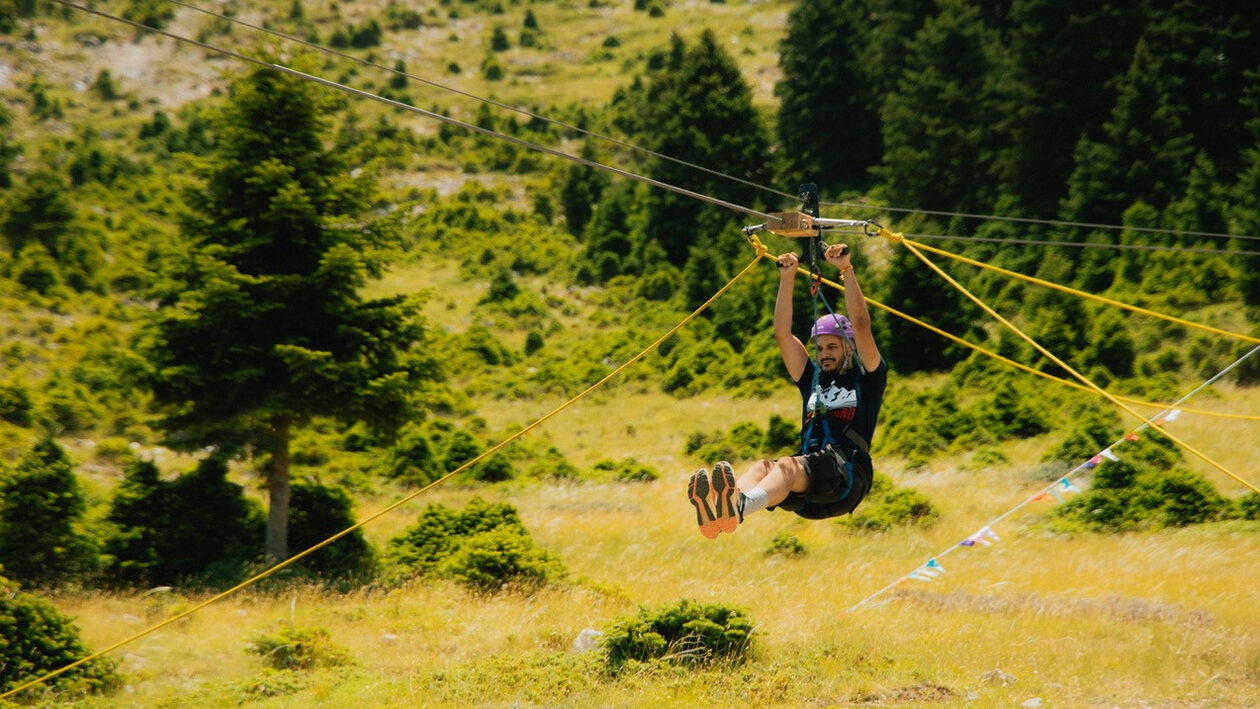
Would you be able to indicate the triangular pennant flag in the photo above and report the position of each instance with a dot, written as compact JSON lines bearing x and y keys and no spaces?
{"x":1043,"y":495}
{"x":1173,"y":415}
{"x":1132,"y":436}
{"x":928,"y":571}
{"x":1108,"y":454}
{"x":1055,"y":491}
{"x":1090,"y":464}
{"x":1068,"y":486}
{"x":981,"y":537}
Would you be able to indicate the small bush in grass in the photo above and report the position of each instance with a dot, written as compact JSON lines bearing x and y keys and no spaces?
{"x":625,"y":471}
{"x":271,"y":682}
{"x":784,"y":544}
{"x":485,"y":547}
{"x":886,"y":507}
{"x":299,"y":649}
{"x":501,"y":558}
{"x":687,"y":633}
{"x":1128,"y":496}
{"x":1249,"y":506}
{"x":35,"y":638}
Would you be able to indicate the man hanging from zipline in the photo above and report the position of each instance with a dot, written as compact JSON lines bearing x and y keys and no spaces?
{"x":841,"y":392}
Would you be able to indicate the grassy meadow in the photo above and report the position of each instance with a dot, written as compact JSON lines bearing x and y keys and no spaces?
{"x":1165,"y":619}
{"x":1162,"y":619}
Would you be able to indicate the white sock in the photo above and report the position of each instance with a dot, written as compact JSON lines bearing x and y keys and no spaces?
{"x":752,"y":501}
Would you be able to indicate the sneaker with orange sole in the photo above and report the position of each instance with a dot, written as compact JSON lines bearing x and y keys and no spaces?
{"x":725,"y":492}
{"x":701,"y":497}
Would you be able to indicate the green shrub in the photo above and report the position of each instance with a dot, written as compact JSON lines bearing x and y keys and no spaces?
{"x":501,"y":558}
{"x":687,"y":632}
{"x":485,"y":546}
{"x":494,"y":469}
{"x":299,"y":649}
{"x":41,"y":515}
{"x":783,"y":437}
{"x":271,"y":682}
{"x":197,"y":529}
{"x":1127,"y":497}
{"x":1010,"y":412}
{"x":625,"y":470}
{"x":1093,"y":431}
{"x":317,"y":512}
{"x":35,"y":639}
{"x":784,"y":544}
{"x":887,"y":506}
{"x":533,"y":342}
{"x":412,"y":458}
{"x":15,"y":404}
{"x":1249,"y":506}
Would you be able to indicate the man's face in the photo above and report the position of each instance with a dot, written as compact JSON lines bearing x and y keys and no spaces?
{"x":833,"y":351}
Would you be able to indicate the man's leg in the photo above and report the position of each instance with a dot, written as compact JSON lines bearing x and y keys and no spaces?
{"x":766,"y":483}
{"x":783,"y":476}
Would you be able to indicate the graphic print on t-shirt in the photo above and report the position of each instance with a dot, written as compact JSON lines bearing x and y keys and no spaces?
{"x":834,"y":397}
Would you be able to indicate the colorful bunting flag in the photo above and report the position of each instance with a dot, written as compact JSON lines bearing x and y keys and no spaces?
{"x":928,"y":571}
{"x":1132,"y":436}
{"x":981,"y":537}
{"x":1108,"y":454}
{"x":1068,"y":486}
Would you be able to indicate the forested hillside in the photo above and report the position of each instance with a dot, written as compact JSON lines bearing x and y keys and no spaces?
{"x":259,"y":304}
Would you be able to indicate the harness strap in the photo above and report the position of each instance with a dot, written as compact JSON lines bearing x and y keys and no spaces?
{"x":857,"y":440}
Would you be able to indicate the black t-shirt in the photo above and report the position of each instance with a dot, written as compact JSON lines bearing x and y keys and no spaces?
{"x":849,"y":399}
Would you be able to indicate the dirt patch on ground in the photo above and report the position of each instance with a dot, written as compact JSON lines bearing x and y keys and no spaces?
{"x":899,"y":696}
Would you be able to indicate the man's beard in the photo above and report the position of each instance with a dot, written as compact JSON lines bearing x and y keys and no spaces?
{"x":844,"y":365}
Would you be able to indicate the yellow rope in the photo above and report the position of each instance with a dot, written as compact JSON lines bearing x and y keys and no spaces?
{"x":1018,"y":365}
{"x":912,"y":246}
{"x":1089,"y":296}
{"x":371,"y":518}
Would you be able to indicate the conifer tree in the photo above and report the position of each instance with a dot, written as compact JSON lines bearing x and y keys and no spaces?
{"x":698,"y":109}
{"x":262,"y":326}
{"x":41,"y":509}
{"x":1143,"y":152}
{"x":828,"y":111}
{"x":939,"y":137}
{"x":1064,"y":55}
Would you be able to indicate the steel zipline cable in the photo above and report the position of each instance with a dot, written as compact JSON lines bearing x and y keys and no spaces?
{"x":1088,"y":245}
{"x":770,"y":190}
{"x":1044,"y":222}
{"x":420,"y":111}
{"x":489,"y":101}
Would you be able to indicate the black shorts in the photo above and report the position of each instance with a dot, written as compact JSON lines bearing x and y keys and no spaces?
{"x":839,"y":479}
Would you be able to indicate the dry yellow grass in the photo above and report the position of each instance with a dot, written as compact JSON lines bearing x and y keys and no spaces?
{"x":1164,"y":619}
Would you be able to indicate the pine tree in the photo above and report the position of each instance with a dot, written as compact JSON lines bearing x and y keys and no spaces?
{"x":41,"y":509}
{"x":1064,"y":55}
{"x":1143,"y":152}
{"x":262,"y":327}
{"x":828,"y":111}
{"x":698,"y":109}
{"x":939,"y":137}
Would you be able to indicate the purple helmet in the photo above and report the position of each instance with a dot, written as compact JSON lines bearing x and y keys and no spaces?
{"x":832,"y":324}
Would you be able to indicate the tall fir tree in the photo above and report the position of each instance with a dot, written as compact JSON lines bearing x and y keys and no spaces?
{"x":1064,"y":55}
{"x":828,"y":109}
{"x":262,"y":326}
{"x":1144,"y":150}
{"x":697,"y":109}
{"x":42,"y":543}
{"x":940,"y":141}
